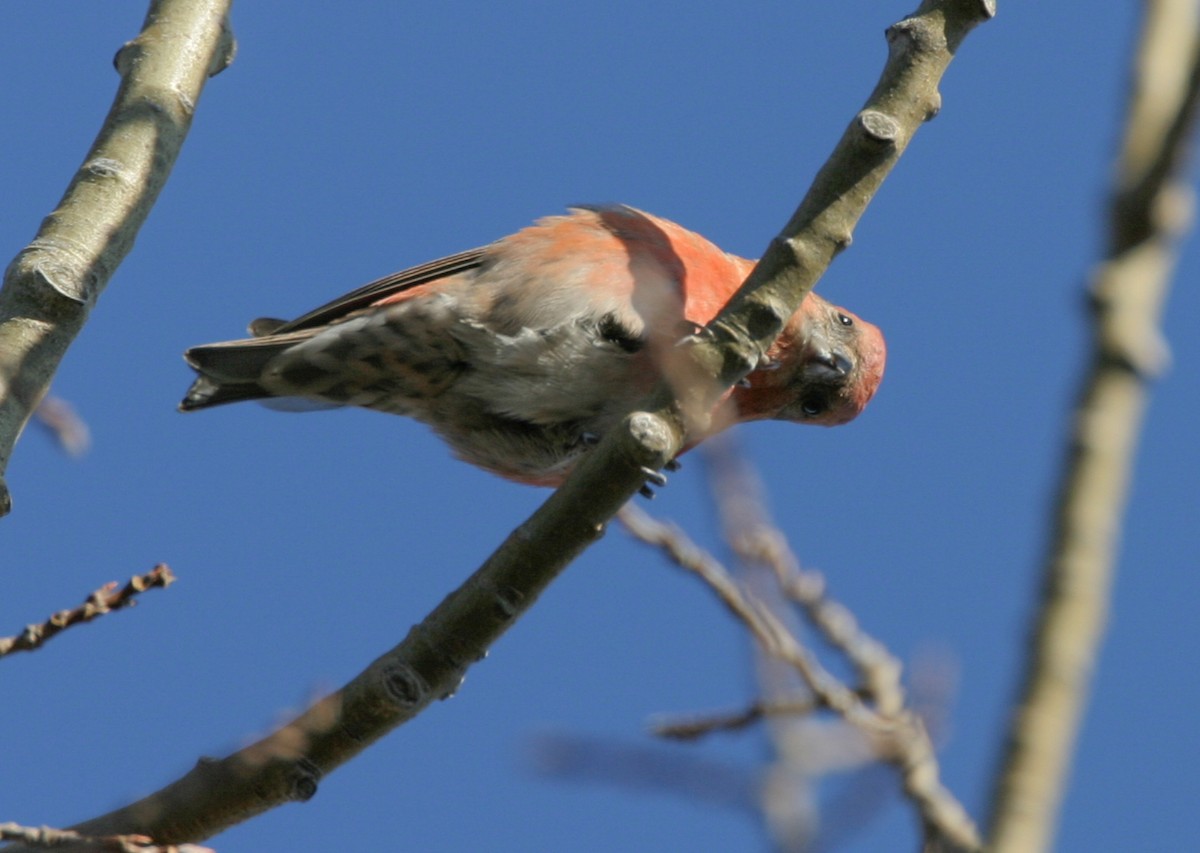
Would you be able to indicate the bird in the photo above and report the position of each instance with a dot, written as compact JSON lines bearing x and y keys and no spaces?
{"x":523,"y":353}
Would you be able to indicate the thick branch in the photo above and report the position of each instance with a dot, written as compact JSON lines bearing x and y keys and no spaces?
{"x":429,"y":664}
{"x":920,"y":48}
{"x":1151,"y":208}
{"x":52,"y":284}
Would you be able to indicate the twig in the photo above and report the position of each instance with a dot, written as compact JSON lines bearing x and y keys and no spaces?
{"x":758,"y":541}
{"x":1151,"y":209}
{"x":64,"y":839}
{"x":696,"y":727}
{"x":104,"y":600}
{"x":899,"y":735}
{"x":59,"y":418}
{"x":51,"y":285}
{"x":804,"y":748}
{"x":659,"y":770}
{"x":772,"y":635}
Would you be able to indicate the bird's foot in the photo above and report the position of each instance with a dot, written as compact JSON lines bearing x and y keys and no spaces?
{"x":656,"y":478}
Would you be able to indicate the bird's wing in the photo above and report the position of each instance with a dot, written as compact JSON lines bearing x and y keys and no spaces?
{"x":382,"y":288}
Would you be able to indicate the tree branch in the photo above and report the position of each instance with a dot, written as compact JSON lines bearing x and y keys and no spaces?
{"x":640,"y":768}
{"x":429,"y":664}
{"x":896,"y":733}
{"x":59,"y":418}
{"x":920,"y":48}
{"x":104,"y":600}
{"x":696,"y":726}
{"x":1151,"y":209}
{"x":62,"y":839}
{"x":50,"y":287}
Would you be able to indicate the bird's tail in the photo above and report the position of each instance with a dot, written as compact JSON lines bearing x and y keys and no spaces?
{"x":229,"y":372}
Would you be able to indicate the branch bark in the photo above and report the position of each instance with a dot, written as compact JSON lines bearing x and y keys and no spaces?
{"x":430,"y":662}
{"x":51,"y":285}
{"x":1150,"y":210}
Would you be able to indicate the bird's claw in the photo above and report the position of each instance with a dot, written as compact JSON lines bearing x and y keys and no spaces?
{"x":653,"y":477}
{"x":658,"y":478}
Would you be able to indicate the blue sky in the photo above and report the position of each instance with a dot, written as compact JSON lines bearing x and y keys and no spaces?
{"x":351,"y":140}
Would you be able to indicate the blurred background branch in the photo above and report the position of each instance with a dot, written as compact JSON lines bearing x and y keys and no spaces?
{"x":52,"y":284}
{"x":882,"y":725}
{"x":60,"y":420}
{"x":1150,"y":209}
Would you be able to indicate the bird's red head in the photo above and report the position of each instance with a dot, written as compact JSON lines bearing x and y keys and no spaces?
{"x":823,"y":369}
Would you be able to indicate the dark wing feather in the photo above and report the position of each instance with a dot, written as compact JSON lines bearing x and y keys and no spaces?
{"x":386,"y":286}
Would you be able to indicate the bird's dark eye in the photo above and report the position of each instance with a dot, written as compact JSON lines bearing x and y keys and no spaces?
{"x":845,"y":320}
{"x":813,"y":406}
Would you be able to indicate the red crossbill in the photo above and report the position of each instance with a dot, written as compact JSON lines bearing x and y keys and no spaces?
{"x":522,"y":353}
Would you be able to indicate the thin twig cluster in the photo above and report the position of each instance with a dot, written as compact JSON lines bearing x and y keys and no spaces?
{"x":877,"y":707}
{"x":104,"y":600}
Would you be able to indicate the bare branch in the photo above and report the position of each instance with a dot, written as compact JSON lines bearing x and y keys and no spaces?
{"x":51,"y":285}
{"x":757,"y":541}
{"x":64,"y":839}
{"x":1151,"y":209}
{"x":659,"y":770}
{"x":766,"y":628}
{"x":104,"y":600}
{"x":429,"y":664}
{"x":59,"y":418}
{"x":898,"y":734}
{"x":920,"y":48}
{"x":696,"y":727}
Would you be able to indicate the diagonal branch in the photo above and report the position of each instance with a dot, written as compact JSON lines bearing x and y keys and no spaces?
{"x":1151,"y":209}
{"x":50,"y":287}
{"x":920,"y":48}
